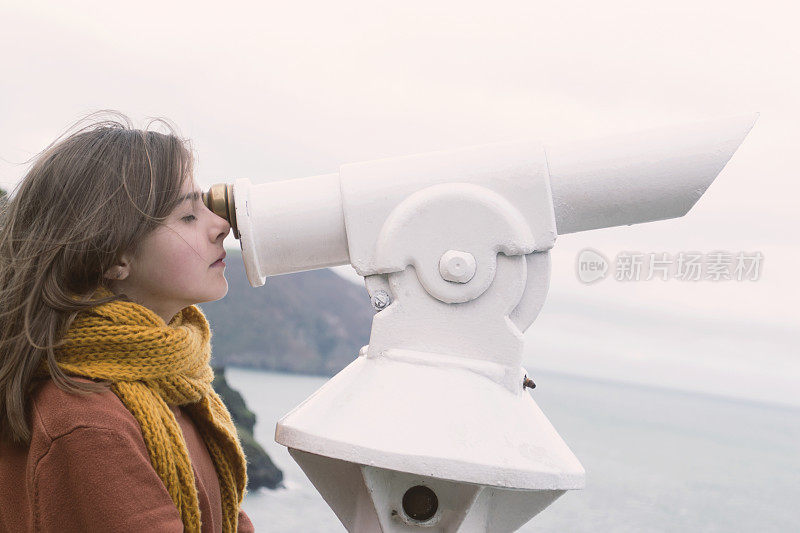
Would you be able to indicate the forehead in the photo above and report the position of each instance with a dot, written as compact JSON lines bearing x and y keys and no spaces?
{"x":189,"y":185}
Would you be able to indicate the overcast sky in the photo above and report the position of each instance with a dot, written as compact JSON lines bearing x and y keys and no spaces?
{"x":277,"y":90}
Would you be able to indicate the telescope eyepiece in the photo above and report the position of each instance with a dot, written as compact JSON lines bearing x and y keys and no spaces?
{"x":219,"y":200}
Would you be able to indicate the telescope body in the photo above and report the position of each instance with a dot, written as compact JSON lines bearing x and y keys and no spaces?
{"x":432,"y":427}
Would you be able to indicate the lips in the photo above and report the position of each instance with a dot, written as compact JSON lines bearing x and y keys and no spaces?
{"x":220,"y":258}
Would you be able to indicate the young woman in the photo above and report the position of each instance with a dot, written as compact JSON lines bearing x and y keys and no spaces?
{"x":108,"y":421}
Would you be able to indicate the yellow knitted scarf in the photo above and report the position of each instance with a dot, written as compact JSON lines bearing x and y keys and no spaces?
{"x":153,"y":365}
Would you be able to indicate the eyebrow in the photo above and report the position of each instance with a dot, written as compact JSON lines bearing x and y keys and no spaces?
{"x":195,"y":195}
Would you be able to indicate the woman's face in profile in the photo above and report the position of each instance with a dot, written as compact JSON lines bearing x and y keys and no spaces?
{"x":177,"y":263}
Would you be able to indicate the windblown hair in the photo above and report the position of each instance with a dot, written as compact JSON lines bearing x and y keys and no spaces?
{"x":90,"y":196}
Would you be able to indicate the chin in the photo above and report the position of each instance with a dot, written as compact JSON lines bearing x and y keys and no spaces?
{"x":219,"y":294}
{"x":211,"y":294}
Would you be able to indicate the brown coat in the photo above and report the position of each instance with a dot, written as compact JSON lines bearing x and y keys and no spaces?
{"x":87,"y":469}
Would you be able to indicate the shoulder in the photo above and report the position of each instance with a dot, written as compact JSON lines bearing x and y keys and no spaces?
{"x":89,"y":468}
{"x":55,"y":412}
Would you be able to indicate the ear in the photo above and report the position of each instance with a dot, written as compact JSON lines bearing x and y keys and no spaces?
{"x":119,"y":271}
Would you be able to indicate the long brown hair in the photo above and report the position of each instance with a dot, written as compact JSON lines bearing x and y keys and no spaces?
{"x":88,"y":197}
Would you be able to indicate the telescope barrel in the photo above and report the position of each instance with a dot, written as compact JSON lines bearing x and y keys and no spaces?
{"x":649,"y":175}
{"x":335,"y":219}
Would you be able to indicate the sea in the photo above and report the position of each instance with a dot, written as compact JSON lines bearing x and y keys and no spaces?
{"x":656,"y":459}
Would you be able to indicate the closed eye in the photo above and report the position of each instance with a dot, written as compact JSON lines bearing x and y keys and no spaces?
{"x":189,"y":218}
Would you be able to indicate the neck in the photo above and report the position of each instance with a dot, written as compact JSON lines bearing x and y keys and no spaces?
{"x":166,"y":311}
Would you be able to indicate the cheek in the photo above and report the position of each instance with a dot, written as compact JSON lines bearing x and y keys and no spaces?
{"x":178,"y":265}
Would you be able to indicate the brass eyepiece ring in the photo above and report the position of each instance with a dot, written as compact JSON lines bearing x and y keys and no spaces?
{"x":219,"y":200}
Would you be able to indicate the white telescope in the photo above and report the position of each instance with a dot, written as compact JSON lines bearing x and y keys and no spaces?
{"x":431,"y":427}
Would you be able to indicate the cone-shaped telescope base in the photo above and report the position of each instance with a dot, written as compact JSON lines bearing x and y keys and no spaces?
{"x":431,"y":420}
{"x":382,"y":426}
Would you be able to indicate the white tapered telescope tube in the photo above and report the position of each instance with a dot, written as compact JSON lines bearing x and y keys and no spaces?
{"x":649,"y":175}
{"x":301,"y":224}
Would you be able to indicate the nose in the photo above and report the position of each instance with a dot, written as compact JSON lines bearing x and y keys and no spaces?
{"x":225,"y":228}
{"x":219,"y":199}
